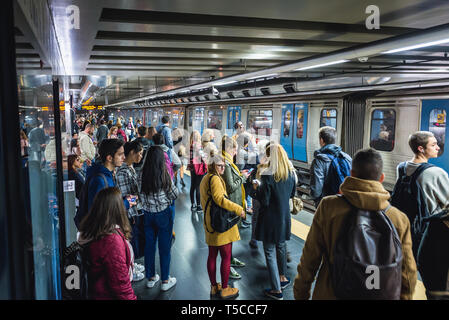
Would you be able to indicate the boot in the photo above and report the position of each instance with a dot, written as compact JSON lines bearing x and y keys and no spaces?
{"x":229,"y":293}
{"x":215,"y":290}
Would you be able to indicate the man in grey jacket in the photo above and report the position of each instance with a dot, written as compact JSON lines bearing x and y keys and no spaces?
{"x":102,"y":132}
{"x":320,"y":186}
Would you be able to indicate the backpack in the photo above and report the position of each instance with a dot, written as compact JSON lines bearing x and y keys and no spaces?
{"x":367,"y":257}
{"x":84,"y":200}
{"x":339,"y":169}
{"x":75,"y":277}
{"x":408,"y":197}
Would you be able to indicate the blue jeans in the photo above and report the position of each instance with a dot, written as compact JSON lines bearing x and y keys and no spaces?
{"x":158,"y":227}
{"x":276,"y":258}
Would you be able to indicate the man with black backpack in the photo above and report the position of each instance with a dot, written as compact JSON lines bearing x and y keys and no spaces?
{"x":422,"y":189}
{"x":359,"y":243}
{"x":330,"y":166}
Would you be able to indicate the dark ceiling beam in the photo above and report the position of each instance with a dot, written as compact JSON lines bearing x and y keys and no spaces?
{"x":173,"y":65}
{"x":23,"y":45}
{"x":175,"y":18}
{"x":190,"y":50}
{"x":149,"y":36}
{"x":144,"y":58}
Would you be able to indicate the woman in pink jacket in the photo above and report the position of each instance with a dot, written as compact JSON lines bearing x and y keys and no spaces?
{"x":106,"y":231}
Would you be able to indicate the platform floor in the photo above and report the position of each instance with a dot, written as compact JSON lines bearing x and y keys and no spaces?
{"x":190,"y":251}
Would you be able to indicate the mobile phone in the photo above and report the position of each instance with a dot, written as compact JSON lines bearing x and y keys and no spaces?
{"x":133,"y":200}
{"x":250,"y":170}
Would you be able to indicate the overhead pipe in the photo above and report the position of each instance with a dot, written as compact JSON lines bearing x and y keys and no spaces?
{"x":374,"y":48}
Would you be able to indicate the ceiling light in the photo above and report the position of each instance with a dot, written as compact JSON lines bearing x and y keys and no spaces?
{"x":264,"y":76}
{"x":322,"y":65}
{"x":417,"y":46}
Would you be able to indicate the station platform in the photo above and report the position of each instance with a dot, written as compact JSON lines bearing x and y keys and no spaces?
{"x":190,"y":251}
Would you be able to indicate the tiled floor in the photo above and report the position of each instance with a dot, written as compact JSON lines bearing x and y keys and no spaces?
{"x":189,"y":256}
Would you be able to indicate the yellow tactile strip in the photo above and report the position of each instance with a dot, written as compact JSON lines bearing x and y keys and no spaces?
{"x":301,"y":230}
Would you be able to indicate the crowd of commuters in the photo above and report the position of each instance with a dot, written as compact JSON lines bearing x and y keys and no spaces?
{"x":126,"y":183}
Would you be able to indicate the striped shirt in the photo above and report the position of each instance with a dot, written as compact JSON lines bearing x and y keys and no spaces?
{"x":157,"y":202}
{"x":127,"y":182}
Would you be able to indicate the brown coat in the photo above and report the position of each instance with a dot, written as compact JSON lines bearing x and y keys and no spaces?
{"x":218,"y":189}
{"x":364,"y":194}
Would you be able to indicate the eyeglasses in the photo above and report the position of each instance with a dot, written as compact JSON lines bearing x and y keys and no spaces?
{"x":220,"y":165}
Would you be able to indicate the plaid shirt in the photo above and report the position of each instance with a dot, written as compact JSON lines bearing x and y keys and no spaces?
{"x":157,"y":202}
{"x":127,"y":182}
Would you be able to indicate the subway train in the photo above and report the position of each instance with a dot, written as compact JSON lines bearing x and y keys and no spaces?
{"x":381,"y":120}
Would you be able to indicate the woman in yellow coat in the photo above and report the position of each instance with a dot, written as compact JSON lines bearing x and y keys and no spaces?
{"x":219,"y":242}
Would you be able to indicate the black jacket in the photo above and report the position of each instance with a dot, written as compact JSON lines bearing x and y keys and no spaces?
{"x":274,"y":220}
{"x":433,"y":253}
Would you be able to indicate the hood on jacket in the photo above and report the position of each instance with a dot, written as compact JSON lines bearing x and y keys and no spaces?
{"x":328,"y":149}
{"x":365,"y":194}
{"x":98,"y":167}
{"x":162,"y":146}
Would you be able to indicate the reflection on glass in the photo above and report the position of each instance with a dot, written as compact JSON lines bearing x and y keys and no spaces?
{"x":199,"y":120}
{"x":437,"y":125}
{"x":328,"y":118}
{"x":383,"y":127}
{"x":287,"y":123}
{"x":260,"y":122}
{"x":214,"y":119}
{"x":40,"y":181}
{"x":300,"y":124}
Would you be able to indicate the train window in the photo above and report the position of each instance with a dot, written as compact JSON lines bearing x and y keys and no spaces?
{"x":300,"y":124}
{"x":328,"y":118}
{"x":383,"y":127}
{"x":214,"y":119}
{"x":287,"y":123}
{"x":190,"y":118}
{"x":437,"y":125}
{"x":260,"y":122}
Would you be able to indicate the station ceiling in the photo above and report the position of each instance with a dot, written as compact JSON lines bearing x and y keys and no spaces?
{"x":126,"y":49}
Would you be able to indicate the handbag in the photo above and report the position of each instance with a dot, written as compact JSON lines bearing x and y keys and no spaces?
{"x":221,"y":219}
{"x":200,"y":168}
{"x":296,"y":205}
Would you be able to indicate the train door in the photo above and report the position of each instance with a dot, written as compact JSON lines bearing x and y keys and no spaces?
{"x":300,"y":132}
{"x":287,"y":129}
{"x":234,"y":115}
{"x":434,"y":119}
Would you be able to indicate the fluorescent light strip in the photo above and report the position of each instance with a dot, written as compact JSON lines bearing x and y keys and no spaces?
{"x":265,"y":76}
{"x":417,"y":46}
{"x":322,"y":65}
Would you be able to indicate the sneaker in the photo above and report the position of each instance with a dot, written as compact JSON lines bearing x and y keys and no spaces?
{"x":137,"y":276}
{"x":253,"y":244}
{"x":237,"y":263}
{"x":171,"y":282}
{"x":229,"y":293}
{"x":138,"y":267}
{"x":215,"y":290}
{"x":285,"y":284}
{"x":234,"y":274}
{"x":245,"y":225}
{"x":152,"y":282}
{"x":193,"y":207}
{"x":273,"y":295}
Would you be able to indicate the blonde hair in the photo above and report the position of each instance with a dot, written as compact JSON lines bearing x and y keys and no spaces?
{"x":278,"y":165}
{"x":113,"y":128}
{"x":195,"y":137}
{"x":215,"y":158}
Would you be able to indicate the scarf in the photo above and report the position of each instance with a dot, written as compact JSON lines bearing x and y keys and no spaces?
{"x":228,"y":158}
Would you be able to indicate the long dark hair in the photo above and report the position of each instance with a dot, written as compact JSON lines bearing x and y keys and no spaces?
{"x":106,"y":213}
{"x":155,"y":176}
